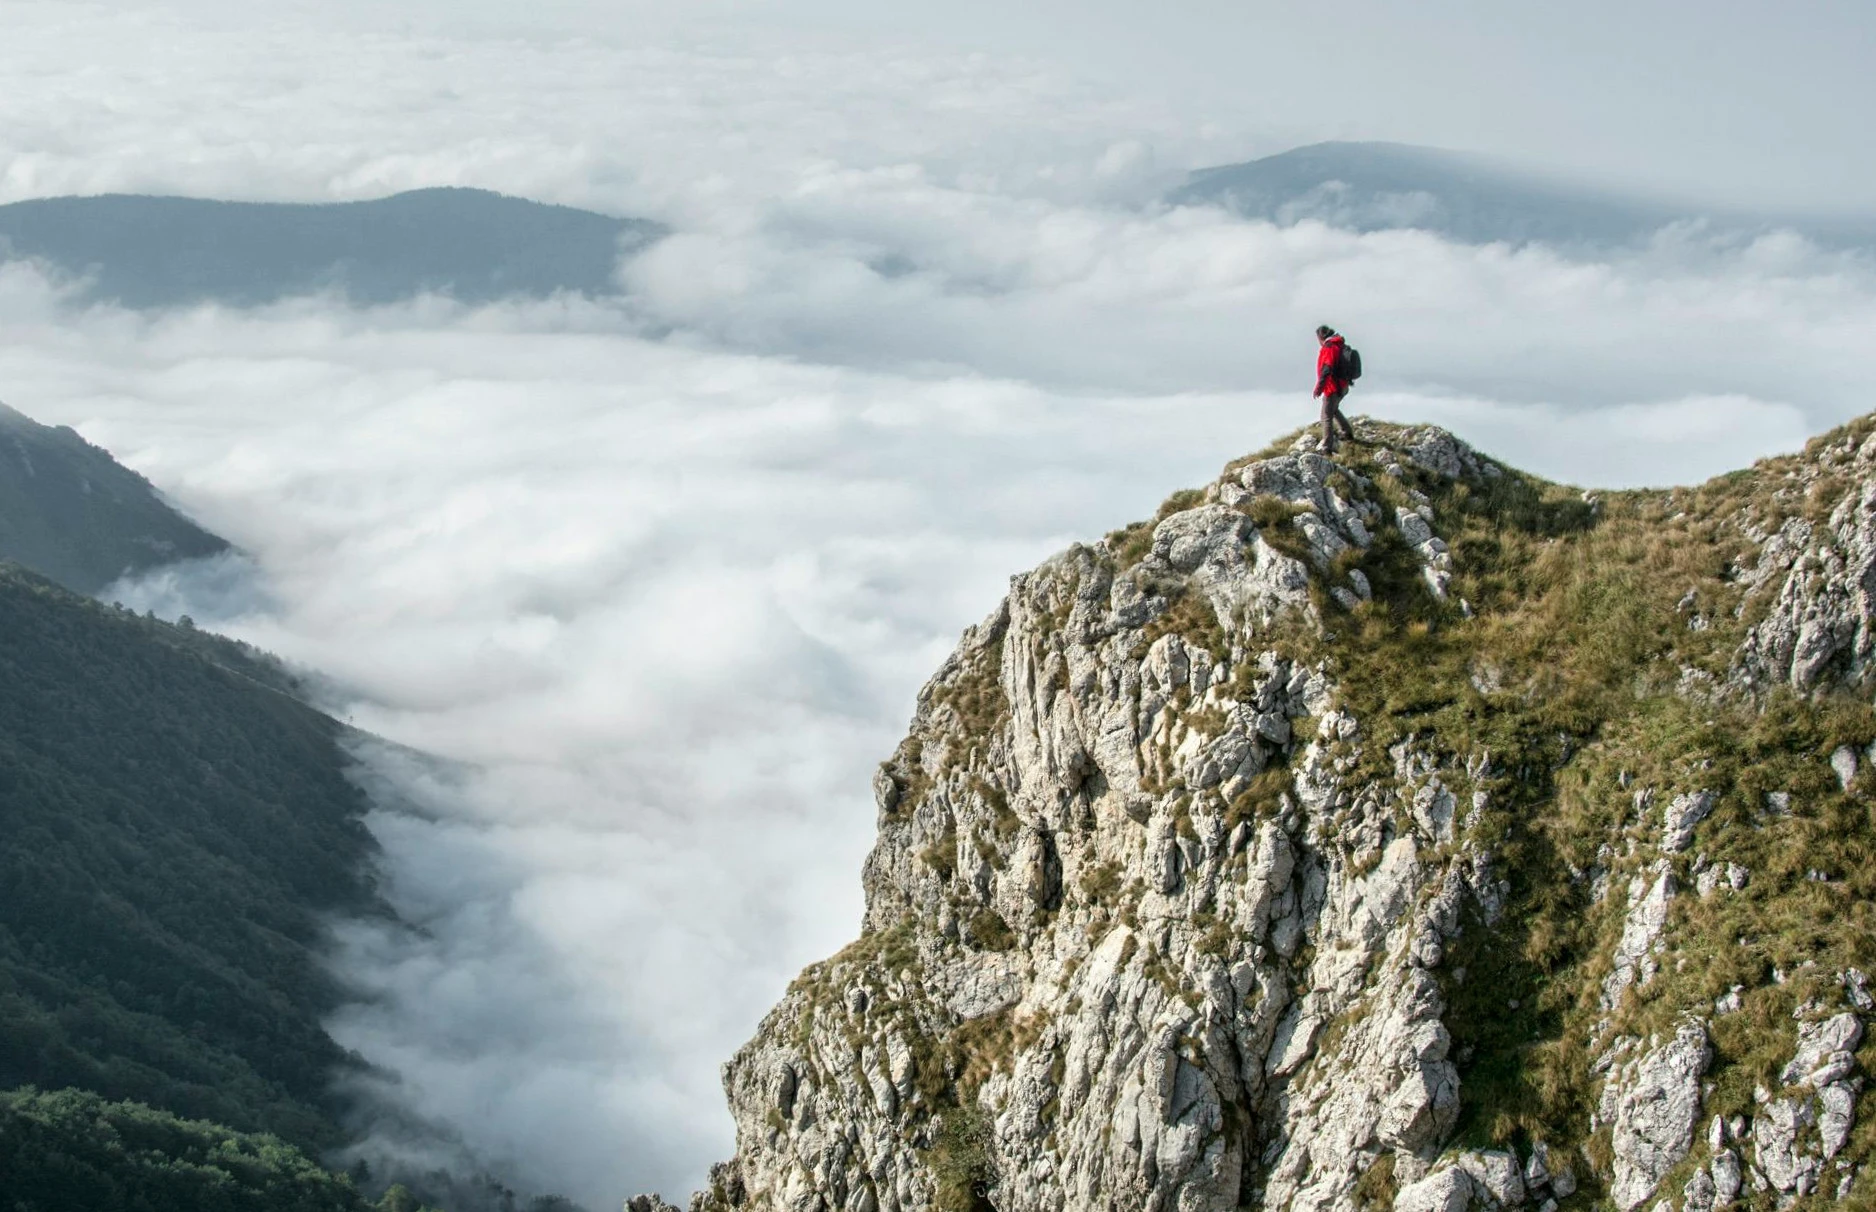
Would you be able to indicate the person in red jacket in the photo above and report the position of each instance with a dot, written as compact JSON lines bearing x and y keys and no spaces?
{"x":1331,"y":387}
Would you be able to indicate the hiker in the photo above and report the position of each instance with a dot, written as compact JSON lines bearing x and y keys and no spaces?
{"x":1332,"y":383}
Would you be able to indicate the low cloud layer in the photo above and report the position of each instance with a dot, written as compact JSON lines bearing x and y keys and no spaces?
{"x":667,"y":606}
{"x":610,"y":109}
{"x":655,"y":582}
{"x":670,"y":606}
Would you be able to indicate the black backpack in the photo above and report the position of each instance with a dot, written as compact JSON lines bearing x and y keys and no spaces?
{"x":1348,"y":366}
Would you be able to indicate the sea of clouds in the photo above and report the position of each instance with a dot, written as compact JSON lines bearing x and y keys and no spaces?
{"x":638,"y":592}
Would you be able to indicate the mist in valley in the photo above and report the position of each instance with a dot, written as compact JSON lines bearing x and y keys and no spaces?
{"x":639,"y":588}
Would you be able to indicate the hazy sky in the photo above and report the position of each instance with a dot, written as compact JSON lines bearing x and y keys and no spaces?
{"x":663,"y":574}
{"x":1743,"y":100}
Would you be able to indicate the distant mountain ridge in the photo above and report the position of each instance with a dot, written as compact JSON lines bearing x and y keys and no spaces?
{"x":1472,"y":198}
{"x":70,"y":512}
{"x":470,"y":244}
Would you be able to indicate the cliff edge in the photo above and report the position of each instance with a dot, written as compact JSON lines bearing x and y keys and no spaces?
{"x":1394,"y":830}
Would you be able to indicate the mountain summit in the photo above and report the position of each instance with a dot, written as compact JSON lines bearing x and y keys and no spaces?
{"x":1389,"y":831}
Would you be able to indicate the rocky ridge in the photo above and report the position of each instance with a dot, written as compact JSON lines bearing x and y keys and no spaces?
{"x":1393,"y":830}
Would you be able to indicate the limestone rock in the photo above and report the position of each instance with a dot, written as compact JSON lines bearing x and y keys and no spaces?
{"x":1450,"y":1190}
{"x":1699,"y":1193}
{"x":1496,"y":1174}
{"x":1777,"y":1148}
{"x":1724,"y":1168}
{"x":1836,"y":1115}
{"x":1537,"y":1167}
{"x":1647,"y":915}
{"x":1157,"y":920}
{"x":1825,"y":1050}
{"x":1796,"y":1135}
{"x":1652,"y":1103}
{"x":1819,"y":628}
{"x":1680,"y":816}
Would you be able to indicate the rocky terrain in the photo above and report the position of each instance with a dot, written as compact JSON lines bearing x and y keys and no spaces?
{"x":1387,"y":831}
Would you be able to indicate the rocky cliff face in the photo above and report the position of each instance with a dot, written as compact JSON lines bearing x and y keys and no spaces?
{"x":1393,"y":830}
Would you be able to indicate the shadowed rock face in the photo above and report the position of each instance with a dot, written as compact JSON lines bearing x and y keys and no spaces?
{"x":1471,"y":198}
{"x":470,"y":244}
{"x":70,"y":512}
{"x":1212,"y":874}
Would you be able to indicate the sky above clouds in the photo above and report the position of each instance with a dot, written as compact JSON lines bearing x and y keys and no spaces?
{"x":1730,"y":99}
{"x":1735,"y":98}
{"x":656,"y":580}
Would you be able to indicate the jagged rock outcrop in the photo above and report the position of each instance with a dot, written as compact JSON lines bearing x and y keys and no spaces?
{"x":1651,"y":1104}
{"x":1825,"y":569}
{"x":1262,"y":856}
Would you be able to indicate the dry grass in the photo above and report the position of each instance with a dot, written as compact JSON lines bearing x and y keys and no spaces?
{"x":1575,"y":608}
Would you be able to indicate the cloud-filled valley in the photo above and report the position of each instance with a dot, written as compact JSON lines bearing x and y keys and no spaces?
{"x":656,"y":578}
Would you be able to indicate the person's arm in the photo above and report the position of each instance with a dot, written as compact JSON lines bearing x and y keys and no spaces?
{"x":1325,"y":368}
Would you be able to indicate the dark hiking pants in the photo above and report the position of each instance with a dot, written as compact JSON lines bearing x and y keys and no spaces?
{"x":1331,"y":417}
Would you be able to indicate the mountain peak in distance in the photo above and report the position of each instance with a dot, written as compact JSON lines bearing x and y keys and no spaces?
{"x":1473,"y":199}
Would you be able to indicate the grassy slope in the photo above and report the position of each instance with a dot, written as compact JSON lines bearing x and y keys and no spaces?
{"x":1569,"y":676}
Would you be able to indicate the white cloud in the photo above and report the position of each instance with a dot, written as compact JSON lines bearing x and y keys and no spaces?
{"x":661,"y":579}
{"x":290,"y":102}
{"x":1091,"y":297}
{"x":669,"y":605}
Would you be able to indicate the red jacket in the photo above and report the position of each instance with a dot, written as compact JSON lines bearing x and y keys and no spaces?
{"x":1328,"y":362}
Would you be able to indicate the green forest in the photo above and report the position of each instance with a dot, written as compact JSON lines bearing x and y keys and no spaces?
{"x":72,"y":513}
{"x":69,"y":1151}
{"x":175,"y":826}
{"x":172,"y":825}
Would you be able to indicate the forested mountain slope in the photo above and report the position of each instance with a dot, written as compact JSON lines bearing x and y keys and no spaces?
{"x":68,"y":1151}
{"x":172,"y":827}
{"x":71,"y":512}
{"x":1386,"y":830}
